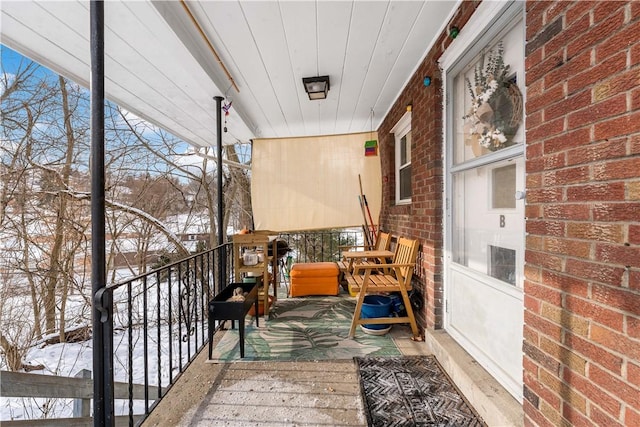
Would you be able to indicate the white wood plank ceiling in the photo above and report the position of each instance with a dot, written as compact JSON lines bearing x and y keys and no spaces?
{"x":160,"y":67}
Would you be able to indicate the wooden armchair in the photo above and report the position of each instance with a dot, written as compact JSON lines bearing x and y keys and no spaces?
{"x":393,"y":277}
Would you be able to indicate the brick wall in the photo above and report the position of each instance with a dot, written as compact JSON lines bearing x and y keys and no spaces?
{"x":422,"y":219}
{"x":582,"y":285}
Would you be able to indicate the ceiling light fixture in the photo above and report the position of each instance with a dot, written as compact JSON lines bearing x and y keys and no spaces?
{"x":316,"y":87}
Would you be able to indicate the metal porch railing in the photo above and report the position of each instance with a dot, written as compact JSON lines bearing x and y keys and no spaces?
{"x":160,"y":318}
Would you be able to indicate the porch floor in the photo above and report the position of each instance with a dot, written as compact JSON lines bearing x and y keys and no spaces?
{"x":313,"y":393}
{"x":269,"y":393}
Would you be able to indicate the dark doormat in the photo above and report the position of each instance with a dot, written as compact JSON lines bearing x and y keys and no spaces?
{"x":411,"y":391}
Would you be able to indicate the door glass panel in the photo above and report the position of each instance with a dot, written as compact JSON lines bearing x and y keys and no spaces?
{"x":488,"y":221}
{"x":488,"y":99}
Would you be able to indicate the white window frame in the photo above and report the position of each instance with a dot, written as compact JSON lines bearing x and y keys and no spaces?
{"x":401,"y":129}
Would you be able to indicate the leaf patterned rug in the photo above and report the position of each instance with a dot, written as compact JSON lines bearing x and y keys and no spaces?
{"x":303,"y":329}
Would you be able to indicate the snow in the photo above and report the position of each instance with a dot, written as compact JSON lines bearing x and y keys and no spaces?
{"x":67,"y":359}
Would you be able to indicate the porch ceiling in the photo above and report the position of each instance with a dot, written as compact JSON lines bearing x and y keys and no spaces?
{"x":159,"y":66}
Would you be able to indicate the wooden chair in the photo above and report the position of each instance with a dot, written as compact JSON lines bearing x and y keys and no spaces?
{"x":382,"y":244}
{"x":394,"y":277}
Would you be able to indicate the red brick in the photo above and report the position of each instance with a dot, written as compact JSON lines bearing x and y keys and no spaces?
{"x":543,"y":293}
{"x":625,"y":392}
{"x":531,"y":304}
{"x":543,"y":260}
{"x":572,"y":32}
{"x":596,"y":353}
{"x":601,"y":418}
{"x":597,"y":74}
{"x":631,"y":417}
{"x":618,"y":255}
{"x":615,"y":341}
{"x":542,"y":69}
{"x":555,"y":10}
{"x":569,"y":247}
{"x":544,"y":195}
{"x":577,"y":10}
{"x":574,"y":102}
{"x":633,"y":373}
{"x":634,"y":144}
{"x":615,"y":211}
{"x":574,"y":175}
{"x":536,"y":149}
{"x":549,"y":129}
{"x":621,"y":41}
{"x":533,"y":212}
{"x":624,"y":125}
{"x":604,"y":191}
{"x":595,"y":393}
{"x":602,"y":232}
{"x":613,"y":10}
{"x":635,"y":55}
{"x":635,"y":99}
{"x":618,"y":169}
{"x":597,"y":112}
{"x":545,"y":99}
{"x":598,"y":313}
{"x":634,"y":280}
{"x":541,"y":391}
{"x":597,"y":272}
{"x":534,"y":180}
{"x":546,"y":228}
{"x":573,"y":212}
{"x":575,"y":418}
{"x":598,"y":151}
{"x":635,"y":12}
{"x":633,"y":326}
{"x":535,"y":118}
{"x":554,"y":161}
{"x":529,"y":367}
{"x":621,"y":298}
{"x":596,"y":34}
{"x":564,"y":283}
{"x":634,"y":234}
{"x":531,"y":335}
{"x":532,"y":417}
{"x":534,"y":25}
{"x":545,"y":327}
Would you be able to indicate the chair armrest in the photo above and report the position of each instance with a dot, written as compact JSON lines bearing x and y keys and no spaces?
{"x":358,"y":267}
{"x":349,"y":247}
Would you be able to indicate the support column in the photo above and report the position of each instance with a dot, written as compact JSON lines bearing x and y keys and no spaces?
{"x":221,"y":232}
{"x":103,"y":405}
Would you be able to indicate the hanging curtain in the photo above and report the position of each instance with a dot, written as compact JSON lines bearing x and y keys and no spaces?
{"x":312,"y":182}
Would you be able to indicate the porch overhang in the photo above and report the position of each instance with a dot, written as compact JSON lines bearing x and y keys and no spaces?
{"x":166,"y":60}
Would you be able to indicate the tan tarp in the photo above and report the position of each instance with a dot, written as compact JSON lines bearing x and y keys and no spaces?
{"x":312,"y":183}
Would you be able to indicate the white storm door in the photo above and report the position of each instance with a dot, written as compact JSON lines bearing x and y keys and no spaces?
{"x":485,"y":182}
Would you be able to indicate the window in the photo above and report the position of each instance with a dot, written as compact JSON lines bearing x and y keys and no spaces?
{"x":487,"y":166}
{"x":402,"y":134}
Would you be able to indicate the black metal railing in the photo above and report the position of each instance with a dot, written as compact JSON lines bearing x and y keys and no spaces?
{"x":160,"y":317}
{"x":317,"y":246}
{"x":160,"y":324}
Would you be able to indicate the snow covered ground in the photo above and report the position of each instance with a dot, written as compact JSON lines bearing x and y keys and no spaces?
{"x":67,"y":359}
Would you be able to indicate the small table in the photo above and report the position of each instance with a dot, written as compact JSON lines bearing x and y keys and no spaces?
{"x":220,"y":308}
{"x":356,"y":257}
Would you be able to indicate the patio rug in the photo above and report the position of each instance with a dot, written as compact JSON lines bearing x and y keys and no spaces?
{"x":411,"y":391}
{"x":303,"y":329}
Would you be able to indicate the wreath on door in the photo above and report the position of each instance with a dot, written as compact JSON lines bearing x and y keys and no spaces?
{"x":496,"y":104}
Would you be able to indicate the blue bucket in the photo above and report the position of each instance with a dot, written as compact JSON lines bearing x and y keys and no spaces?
{"x":376,"y":306}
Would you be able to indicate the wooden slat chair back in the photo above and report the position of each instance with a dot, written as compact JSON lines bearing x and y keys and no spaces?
{"x":382,"y":244}
{"x":393,"y":277}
